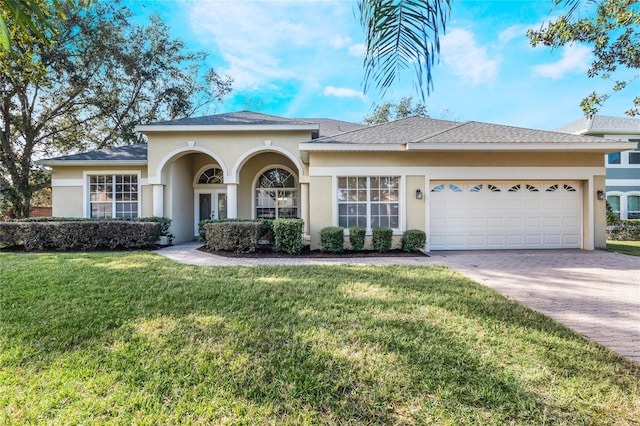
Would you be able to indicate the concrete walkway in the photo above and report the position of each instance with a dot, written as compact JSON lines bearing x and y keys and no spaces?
{"x":596,"y":293}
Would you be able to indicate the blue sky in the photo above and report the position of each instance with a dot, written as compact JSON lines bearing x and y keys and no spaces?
{"x":304,"y":59}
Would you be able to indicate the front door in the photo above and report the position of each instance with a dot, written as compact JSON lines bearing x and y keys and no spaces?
{"x":210,"y":204}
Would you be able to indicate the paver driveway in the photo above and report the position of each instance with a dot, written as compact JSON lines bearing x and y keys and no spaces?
{"x":596,"y":293}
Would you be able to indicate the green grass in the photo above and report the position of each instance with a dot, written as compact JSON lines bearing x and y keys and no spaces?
{"x":625,"y":247}
{"x":128,"y":338}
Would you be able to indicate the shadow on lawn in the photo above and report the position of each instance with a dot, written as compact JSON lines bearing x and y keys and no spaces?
{"x":337,"y":344}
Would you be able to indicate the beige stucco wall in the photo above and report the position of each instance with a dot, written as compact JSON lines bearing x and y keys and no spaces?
{"x":68,"y":186}
{"x":414,"y":212}
{"x":600,"y":213}
{"x":227,"y":147}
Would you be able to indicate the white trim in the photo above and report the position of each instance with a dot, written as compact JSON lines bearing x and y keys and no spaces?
{"x":201,"y":171}
{"x":86,"y":187}
{"x":257,"y":176}
{"x":524,"y":147}
{"x":622,"y":182}
{"x":234,"y":176}
{"x":159,"y":178}
{"x":464,"y":173}
{"x":335,"y":147}
{"x":427,"y":211}
{"x":223,"y":128}
{"x":591,"y":215}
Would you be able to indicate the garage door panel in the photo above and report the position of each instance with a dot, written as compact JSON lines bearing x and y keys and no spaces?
{"x":508,"y":214}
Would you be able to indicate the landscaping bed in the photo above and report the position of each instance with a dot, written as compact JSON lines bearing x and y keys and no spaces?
{"x":268,"y":252}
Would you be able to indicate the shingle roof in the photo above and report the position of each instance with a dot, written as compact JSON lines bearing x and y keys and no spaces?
{"x":430,"y":131}
{"x":330,"y":127}
{"x":244,"y":118}
{"x":600,"y":124}
{"x":129,"y":153}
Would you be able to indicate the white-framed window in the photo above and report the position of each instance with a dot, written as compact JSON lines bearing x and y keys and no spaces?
{"x":114,"y":195}
{"x":369,"y":201}
{"x":276,"y":194}
{"x":614,"y":158}
{"x":633,"y":206}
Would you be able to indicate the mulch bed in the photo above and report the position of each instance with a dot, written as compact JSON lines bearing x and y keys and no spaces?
{"x":307,"y":253}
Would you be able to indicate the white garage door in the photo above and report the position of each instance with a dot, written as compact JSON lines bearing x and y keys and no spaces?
{"x":505,"y":215}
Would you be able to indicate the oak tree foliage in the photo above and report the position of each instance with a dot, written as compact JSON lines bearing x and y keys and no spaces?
{"x":96,"y":76}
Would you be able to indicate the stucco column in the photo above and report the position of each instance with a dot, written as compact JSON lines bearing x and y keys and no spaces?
{"x":232,"y":200}
{"x":304,"y":206}
{"x":158,"y":200}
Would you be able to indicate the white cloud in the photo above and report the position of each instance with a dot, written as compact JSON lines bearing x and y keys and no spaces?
{"x":466,"y":59}
{"x":339,"y":41}
{"x":575,"y":59}
{"x":259,"y":42}
{"x":357,"y":50}
{"x":514,"y":32}
{"x":343,"y":92}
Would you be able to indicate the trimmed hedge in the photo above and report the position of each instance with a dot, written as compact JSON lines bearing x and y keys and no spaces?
{"x":266,"y":230}
{"x":413,"y":240}
{"x":624,"y":230}
{"x":79,"y":235}
{"x":288,"y":235}
{"x":382,"y":239}
{"x":235,"y":236}
{"x":332,"y":239}
{"x":356,"y":237}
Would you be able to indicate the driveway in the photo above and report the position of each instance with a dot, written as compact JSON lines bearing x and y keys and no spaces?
{"x":596,"y":293}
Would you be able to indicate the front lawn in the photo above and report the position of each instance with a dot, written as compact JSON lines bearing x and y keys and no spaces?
{"x":625,"y":247}
{"x":128,"y":338}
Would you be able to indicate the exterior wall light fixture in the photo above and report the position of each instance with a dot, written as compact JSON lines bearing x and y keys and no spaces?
{"x":419,"y":194}
{"x":600,"y":194}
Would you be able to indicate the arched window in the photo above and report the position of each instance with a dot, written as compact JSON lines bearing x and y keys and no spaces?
{"x":211,"y":176}
{"x":276,"y":195}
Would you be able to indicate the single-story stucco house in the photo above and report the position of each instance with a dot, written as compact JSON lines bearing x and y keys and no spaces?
{"x":468,"y":185}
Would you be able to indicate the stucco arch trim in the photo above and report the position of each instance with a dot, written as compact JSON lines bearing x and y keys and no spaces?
{"x":235,"y":172}
{"x":159,"y":178}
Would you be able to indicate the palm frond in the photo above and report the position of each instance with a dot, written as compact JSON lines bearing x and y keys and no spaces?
{"x":401,"y":34}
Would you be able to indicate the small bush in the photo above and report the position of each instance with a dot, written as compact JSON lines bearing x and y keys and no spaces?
{"x":288,"y":235}
{"x":624,"y":230}
{"x":356,"y":237}
{"x":413,"y":240}
{"x":332,"y":239}
{"x":235,"y":236}
{"x":382,"y":239}
{"x":80,"y":234}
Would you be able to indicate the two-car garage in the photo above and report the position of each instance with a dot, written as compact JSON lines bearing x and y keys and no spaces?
{"x":468,"y":215}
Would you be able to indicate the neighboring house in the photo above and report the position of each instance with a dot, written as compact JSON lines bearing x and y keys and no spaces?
{"x":467,"y":185}
{"x":623,"y":168}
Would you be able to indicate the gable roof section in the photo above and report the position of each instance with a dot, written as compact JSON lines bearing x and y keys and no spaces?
{"x":602,"y":124}
{"x":123,"y":155}
{"x":419,"y":134}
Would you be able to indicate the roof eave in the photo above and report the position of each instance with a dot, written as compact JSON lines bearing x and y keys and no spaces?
{"x":355,"y":147}
{"x":524,"y":147}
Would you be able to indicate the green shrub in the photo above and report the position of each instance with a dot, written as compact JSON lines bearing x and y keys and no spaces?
{"x":288,"y":235}
{"x":624,"y":230}
{"x":332,"y":239}
{"x":356,"y":237}
{"x":235,"y":236}
{"x":413,"y":240}
{"x":382,"y":238}
{"x":265,"y":233}
{"x":80,"y":234}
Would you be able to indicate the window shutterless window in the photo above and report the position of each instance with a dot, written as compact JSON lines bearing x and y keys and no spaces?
{"x":276,"y":195}
{"x":613,"y":158}
{"x":369,"y":201}
{"x":634,"y":157}
{"x":113,"y":196}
